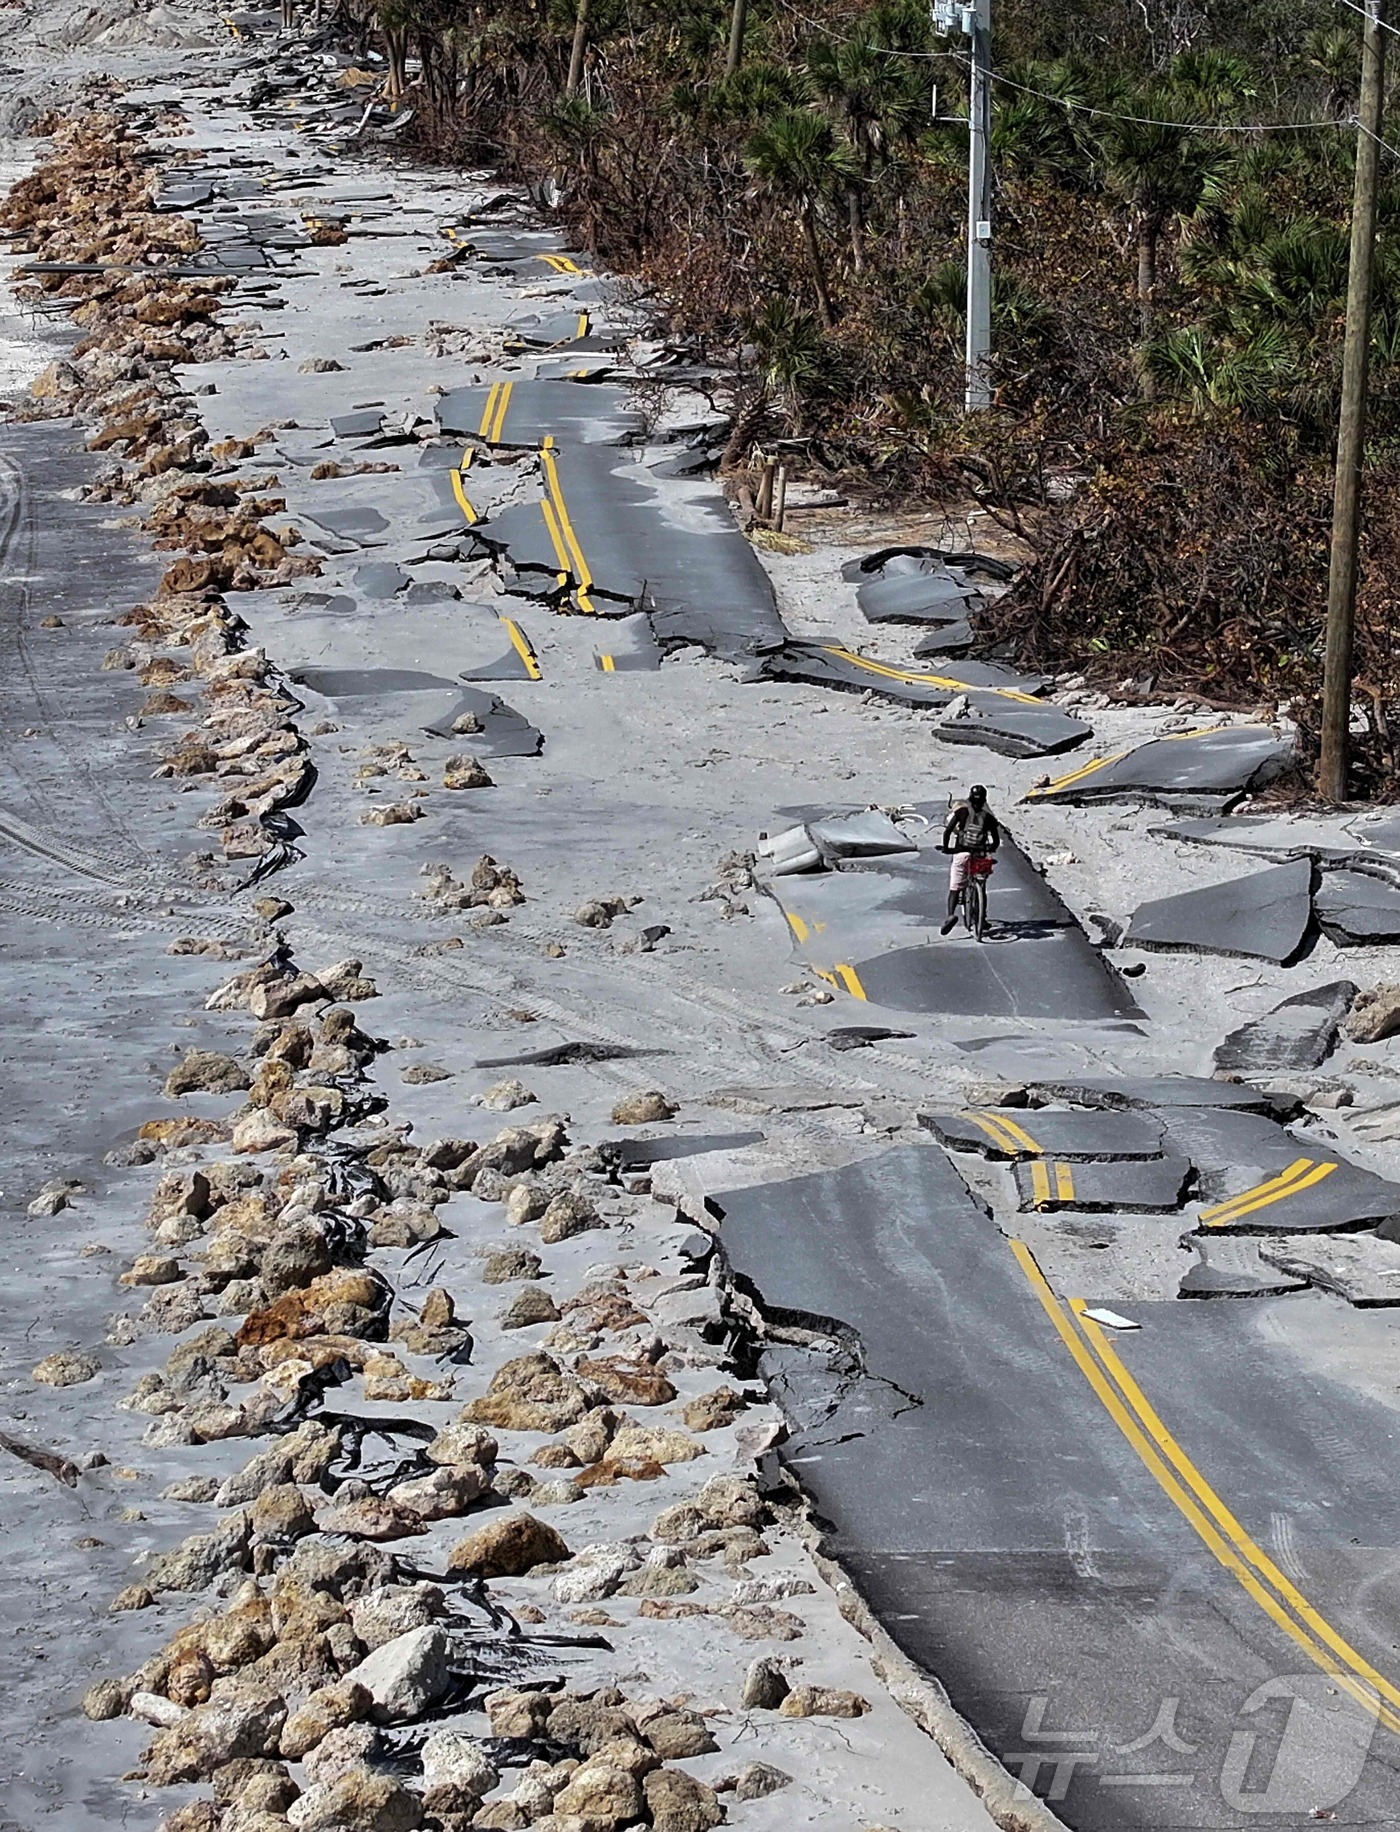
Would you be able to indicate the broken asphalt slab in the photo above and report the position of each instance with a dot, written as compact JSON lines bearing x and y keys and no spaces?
{"x":1232,"y":1266}
{"x":1047,"y":1132}
{"x":947,"y":1502}
{"x":1362,"y":1268}
{"x":871,"y":930}
{"x":1128,"y":1186}
{"x":1358,"y":909}
{"x":1296,"y":1035}
{"x":1207,"y":770}
{"x":1265,"y":916}
{"x":998,"y":707}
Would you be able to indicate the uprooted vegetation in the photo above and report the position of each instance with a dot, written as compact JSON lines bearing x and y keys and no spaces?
{"x":1168,"y":298}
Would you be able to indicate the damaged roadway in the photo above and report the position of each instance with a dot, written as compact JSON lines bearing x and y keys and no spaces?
{"x":559,"y":953}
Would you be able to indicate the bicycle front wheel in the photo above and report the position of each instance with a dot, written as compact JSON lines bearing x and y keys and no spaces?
{"x":977,"y":907}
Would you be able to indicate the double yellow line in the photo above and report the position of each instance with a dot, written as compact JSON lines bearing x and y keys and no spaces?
{"x":1006,"y":1134}
{"x":1102,"y":763}
{"x":1043,"y":1193}
{"x":561,"y":263}
{"x":567,"y":549}
{"x":1301,"y":1174}
{"x":459,"y":488}
{"x":1126,"y":1404}
{"x":842,"y":976}
{"x":523,"y":647}
{"x":493,"y":415}
{"x":944,"y":682}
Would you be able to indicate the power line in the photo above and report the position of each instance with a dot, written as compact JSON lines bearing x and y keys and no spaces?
{"x":1070,"y":106}
{"x":1384,"y":24}
{"x":1192,"y":127}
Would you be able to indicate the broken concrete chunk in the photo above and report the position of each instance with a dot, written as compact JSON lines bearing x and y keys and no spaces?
{"x":509,"y":1548}
{"x":1375,"y":1014}
{"x":643,"y":1109}
{"x":406,"y":1675}
{"x":66,"y":1369}
{"x":464,"y":772}
{"x":206,"y":1072}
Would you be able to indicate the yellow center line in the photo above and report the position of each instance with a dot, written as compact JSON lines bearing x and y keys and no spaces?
{"x":561,"y":553}
{"x":1302,"y":1174}
{"x":493,"y":415}
{"x":912,"y":675}
{"x":566,"y":528}
{"x":999,"y":1133}
{"x":850,"y":979}
{"x":520,"y":642}
{"x":459,"y":489}
{"x":1040,"y":1183}
{"x":1064,"y":1181}
{"x":582,"y":324}
{"x":609,"y":666}
{"x":1202,"y":1507}
{"x":1019,"y":1135}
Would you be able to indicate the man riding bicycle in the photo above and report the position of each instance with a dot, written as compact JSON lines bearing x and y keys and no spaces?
{"x":971,"y":833}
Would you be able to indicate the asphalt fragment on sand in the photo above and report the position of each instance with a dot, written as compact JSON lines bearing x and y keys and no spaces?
{"x":871,"y":930}
{"x":1358,"y":909}
{"x":1048,"y":1132}
{"x":987,"y":703}
{"x":1203,"y":771}
{"x":1267,"y":916}
{"x":1298,"y":1034}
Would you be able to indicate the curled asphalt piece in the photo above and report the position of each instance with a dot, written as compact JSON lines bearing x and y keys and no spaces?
{"x":1266,"y":916}
{"x":1357,"y":909}
{"x":947,"y":639}
{"x":1205,"y":770}
{"x":1005,"y":1132}
{"x":861,"y":1036}
{"x":1233,"y":1267}
{"x":936,"y":596}
{"x":1297,"y":1034}
{"x":1124,"y":1186}
{"x":1157,"y":1091}
{"x":637,"y":1154}
{"x":1270,"y":836}
{"x":891,"y":560}
{"x":555,"y":1055}
{"x":360,"y":683}
{"x":998,"y":707}
{"x":504,"y":732}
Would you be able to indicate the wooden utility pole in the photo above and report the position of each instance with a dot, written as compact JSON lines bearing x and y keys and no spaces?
{"x":738,"y":20}
{"x":1351,"y":421}
{"x":578,"y":48}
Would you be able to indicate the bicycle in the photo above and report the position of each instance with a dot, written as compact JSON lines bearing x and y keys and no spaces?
{"x":972,"y":898}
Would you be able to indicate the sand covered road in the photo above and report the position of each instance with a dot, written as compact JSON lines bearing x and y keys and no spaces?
{"x":371,"y":1138}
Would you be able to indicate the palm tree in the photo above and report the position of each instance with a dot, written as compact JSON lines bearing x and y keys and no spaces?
{"x":1334,"y":53}
{"x":1160,"y":172}
{"x":797,"y":160}
{"x":1210,"y":377}
{"x":881,"y":100}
